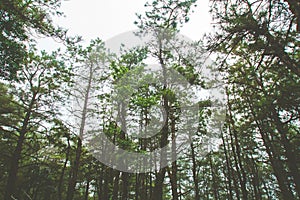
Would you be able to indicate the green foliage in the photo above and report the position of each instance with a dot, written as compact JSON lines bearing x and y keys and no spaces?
{"x":257,"y":50}
{"x":255,"y":157}
{"x":19,"y":21}
{"x":166,"y":14}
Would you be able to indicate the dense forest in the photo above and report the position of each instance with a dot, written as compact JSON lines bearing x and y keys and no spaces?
{"x":54,"y":106}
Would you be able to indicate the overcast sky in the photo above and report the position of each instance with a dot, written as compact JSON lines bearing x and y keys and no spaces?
{"x":108,"y":18}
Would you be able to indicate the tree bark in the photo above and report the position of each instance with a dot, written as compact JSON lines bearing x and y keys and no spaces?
{"x":173,"y":175}
{"x":289,"y":153}
{"x":228,"y":166}
{"x":61,"y":178}
{"x":237,"y":153}
{"x":274,"y":158}
{"x":115,"y":194}
{"x":214,"y":183}
{"x":86,"y":196}
{"x":160,"y":176}
{"x":75,"y":168}
{"x":195,"y":174}
{"x":15,"y":159}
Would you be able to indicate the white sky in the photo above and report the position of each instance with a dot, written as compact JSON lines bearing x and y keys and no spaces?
{"x":107,"y":18}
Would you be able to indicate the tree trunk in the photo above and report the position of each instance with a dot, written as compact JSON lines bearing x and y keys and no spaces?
{"x":75,"y":168}
{"x":14,"y":165}
{"x":61,"y":178}
{"x":276,"y":164}
{"x":195,"y":174}
{"x":107,"y":177}
{"x":137,"y":186}
{"x":115,"y":194}
{"x":99,"y":187}
{"x":160,"y":176}
{"x":15,"y":159}
{"x":124,"y":186}
{"x":274,"y":156}
{"x":228,"y":167}
{"x":86,"y":196}
{"x":278,"y":169}
{"x":124,"y":176}
{"x":74,"y":171}
{"x":158,"y":189}
{"x":255,"y":179}
{"x":237,"y":153}
{"x":173,"y":175}
{"x":214,"y":183}
{"x":289,"y":153}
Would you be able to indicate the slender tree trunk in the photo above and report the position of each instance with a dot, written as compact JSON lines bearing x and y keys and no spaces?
{"x":14,"y":165}
{"x":107,"y":174}
{"x":173,"y":186}
{"x":99,"y":187}
{"x":214,"y":183}
{"x":100,"y":183}
{"x":150,"y":187}
{"x":237,"y":154}
{"x":276,"y":164}
{"x":74,"y":171}
{"x":61,"y":178}
{"x":115,"y":194}
{"x":86,"y":196}
{"x":75,"y":168}
{"x":195,"y":174}
{"x":278,"y":168}
{"x":289,"y":153}
{"x":233,"y":147}
{"x":143,"y":187}
{"x":137,"y":186}
{"x":233,"y":175}
{"x":241,"y":167}
{"x":158,"y":189}
{"x":160,"y":176}
{"x":274,"y":157}
{"x":228,"y":167}
{"x":125,"y":177}
{"x":173,"y":175}
{"x":15,"y":159}
{"x":255,"y":180}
